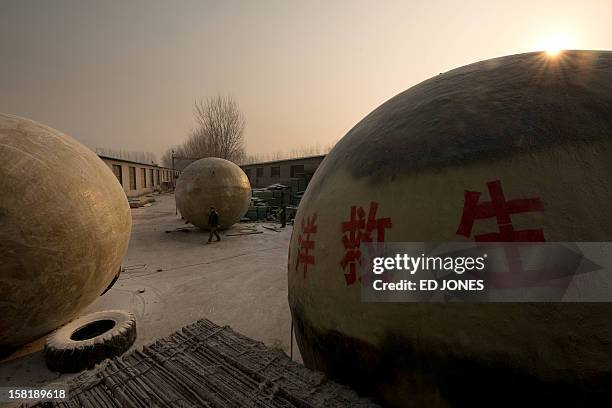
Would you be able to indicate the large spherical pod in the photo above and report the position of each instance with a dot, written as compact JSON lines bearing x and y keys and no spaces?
{"x":64,"y":228}
{"x":525,"y":127}
{"x":213,"y":182}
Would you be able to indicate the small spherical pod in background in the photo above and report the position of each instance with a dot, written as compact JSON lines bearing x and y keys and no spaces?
{"x":528,"y":130}
{"x":213,"y":182}
{"x":65,"y":225}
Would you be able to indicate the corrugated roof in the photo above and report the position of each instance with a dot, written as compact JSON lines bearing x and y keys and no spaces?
{"x":133,"y":162}
{"x":284,"y":160}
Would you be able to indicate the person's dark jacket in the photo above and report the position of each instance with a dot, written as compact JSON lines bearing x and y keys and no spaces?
{"x":213,"y":219}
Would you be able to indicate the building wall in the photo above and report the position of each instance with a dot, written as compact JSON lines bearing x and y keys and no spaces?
{"x":145,"y":183}
{"x":280,"y":171}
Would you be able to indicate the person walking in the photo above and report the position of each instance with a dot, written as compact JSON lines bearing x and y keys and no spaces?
{"x":213,"y":224}
{"x":283,"y":209}
{"x":283,"y":216}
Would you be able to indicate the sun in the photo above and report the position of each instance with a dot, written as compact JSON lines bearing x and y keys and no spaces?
{"x":553,"y":50}
{"x":553,"y":45}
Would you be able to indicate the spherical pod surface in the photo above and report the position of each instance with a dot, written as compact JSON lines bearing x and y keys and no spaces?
{"x":65,"y":225}
{"x":527,"y":136}
{"x":213,"y":182}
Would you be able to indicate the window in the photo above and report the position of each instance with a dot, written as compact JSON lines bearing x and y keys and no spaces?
{"x":157,"y":178}
{"x":297,"y":170}
{"x":248,"y":172}
{"x":118,"y":173}
{"x":143,"y":178}
{"x":132,"y":178}
{"x":275,"y":171}
{"x":260,"y":172}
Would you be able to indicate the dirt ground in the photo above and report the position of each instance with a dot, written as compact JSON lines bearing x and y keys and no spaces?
{"x":173,"y":279}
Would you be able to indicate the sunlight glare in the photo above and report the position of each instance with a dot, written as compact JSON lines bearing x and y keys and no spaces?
{"x":555,"y":44}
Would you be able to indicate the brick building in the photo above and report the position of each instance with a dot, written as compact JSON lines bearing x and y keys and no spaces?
{"x":282,"y":171}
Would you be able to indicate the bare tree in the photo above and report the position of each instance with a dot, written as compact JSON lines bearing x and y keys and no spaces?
{"x":219,"y":131}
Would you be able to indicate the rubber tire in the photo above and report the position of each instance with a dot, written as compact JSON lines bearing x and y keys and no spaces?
{"x":65,"y":355}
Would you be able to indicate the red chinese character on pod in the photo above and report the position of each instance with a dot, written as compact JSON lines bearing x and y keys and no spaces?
{"x":501,"y":209}
{"x":306,"y":244}
{"x":357,"y":230}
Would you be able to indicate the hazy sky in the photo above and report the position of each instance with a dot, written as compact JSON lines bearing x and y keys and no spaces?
{"x":125,"y":74}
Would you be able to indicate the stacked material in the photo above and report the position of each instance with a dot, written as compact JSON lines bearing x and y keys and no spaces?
{"x":207,"y":365}
{"x":257,"y":212}
{"x":137,"y":202}
{"x":265,"y":201}
{"x":297,"y":185}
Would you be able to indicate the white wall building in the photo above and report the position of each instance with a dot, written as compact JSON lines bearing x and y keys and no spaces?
{"x":139,"y":179}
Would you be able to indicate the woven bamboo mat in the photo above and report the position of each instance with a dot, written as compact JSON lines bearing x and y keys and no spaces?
{"x":205,"y":365}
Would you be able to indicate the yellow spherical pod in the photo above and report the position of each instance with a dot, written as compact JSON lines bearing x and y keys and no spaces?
{"x":517,"y":148}
{"x":65,"y":225}
{"x":213,"y":182}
